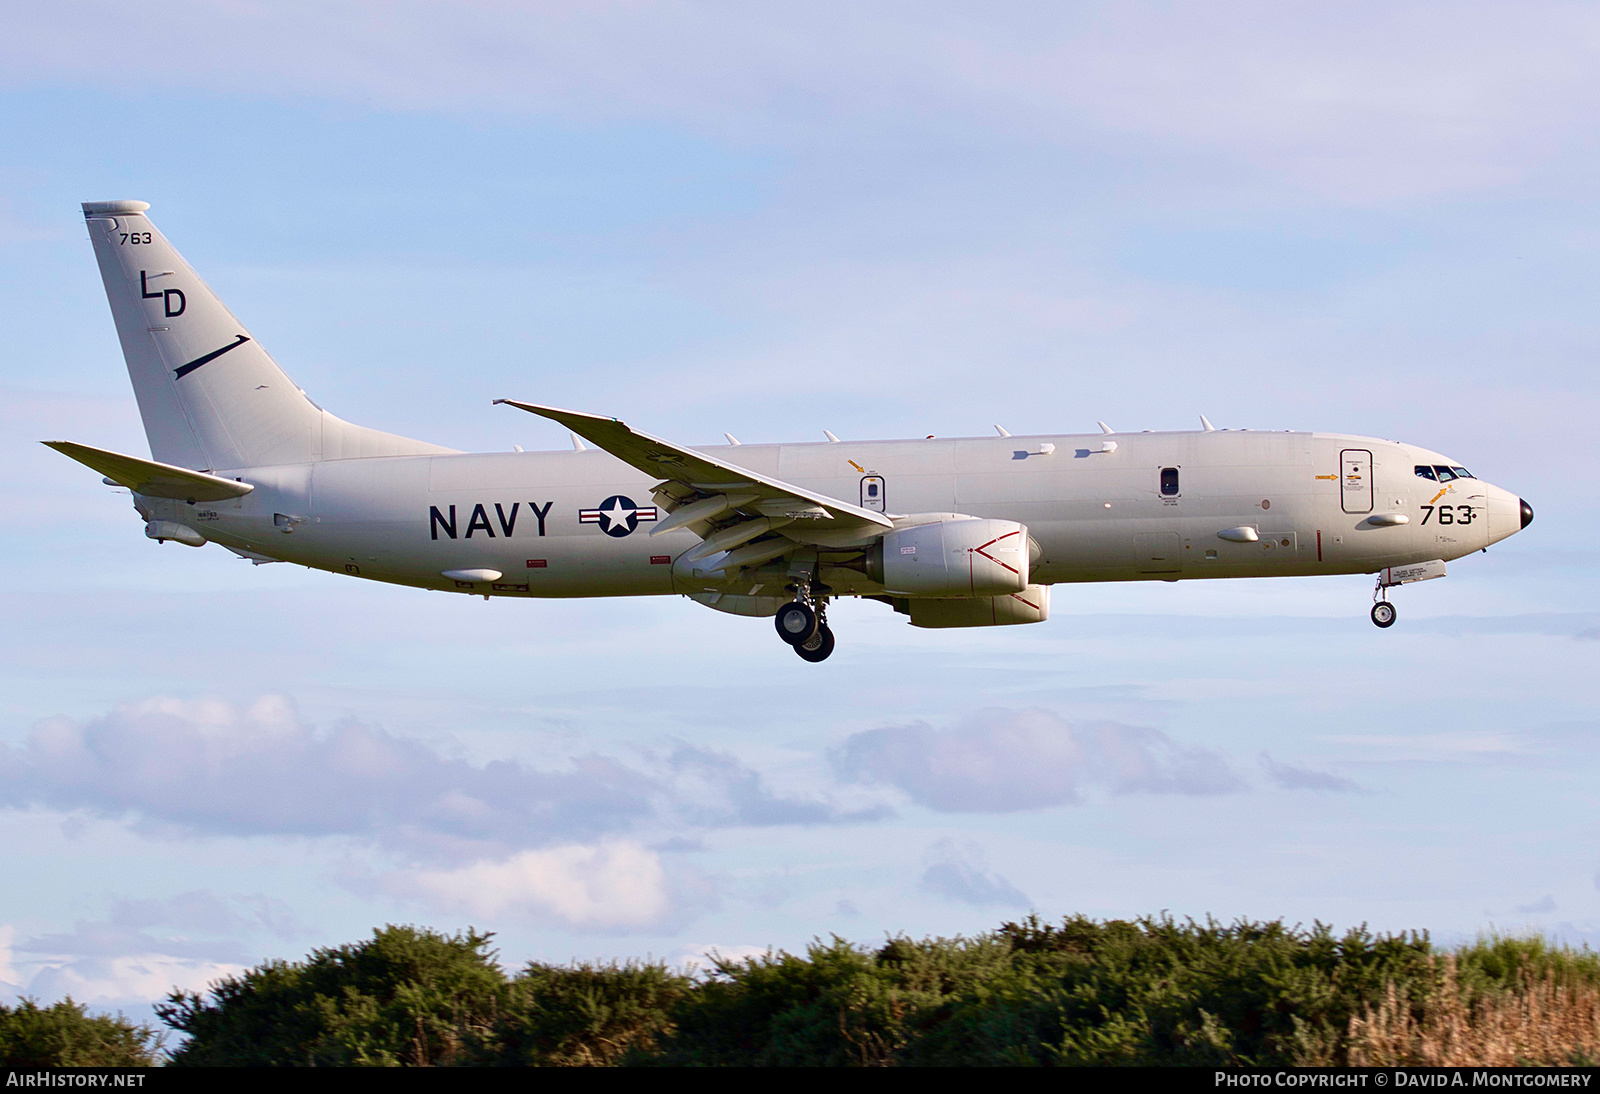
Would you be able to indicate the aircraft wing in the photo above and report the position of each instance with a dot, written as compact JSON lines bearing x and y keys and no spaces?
{"x":724,"y":490}
{"x":153,"y":480}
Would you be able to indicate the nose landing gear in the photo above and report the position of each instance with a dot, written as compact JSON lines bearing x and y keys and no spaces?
{"x":1383,"y":613}
{"x":803,"y":623}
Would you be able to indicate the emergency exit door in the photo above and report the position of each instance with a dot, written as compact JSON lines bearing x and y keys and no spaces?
{"x":1355,"y":480}
{"x":872,"y":493}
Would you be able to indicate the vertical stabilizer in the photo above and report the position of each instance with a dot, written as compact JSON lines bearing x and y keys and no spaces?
{"x":210,"y":396}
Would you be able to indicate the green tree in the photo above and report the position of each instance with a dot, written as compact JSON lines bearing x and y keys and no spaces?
{"x":66,"y":1035}
{"x":585,"y":1015}
{"x":407,"y":996}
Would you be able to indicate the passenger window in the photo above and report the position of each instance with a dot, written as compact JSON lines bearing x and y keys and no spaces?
{"x":1169,"y":482}
{"x":1425,"y":472}
{"x":1445,"y":474}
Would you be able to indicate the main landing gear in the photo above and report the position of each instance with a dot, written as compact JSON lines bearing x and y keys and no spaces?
{"x":803,"y":623}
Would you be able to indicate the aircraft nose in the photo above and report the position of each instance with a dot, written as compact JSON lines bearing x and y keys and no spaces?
{"x":1507,"y":513}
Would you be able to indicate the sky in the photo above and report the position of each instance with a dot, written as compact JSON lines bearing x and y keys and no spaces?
{"x":885,"y":221}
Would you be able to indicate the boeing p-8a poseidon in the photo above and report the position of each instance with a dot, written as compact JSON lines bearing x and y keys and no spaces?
{"x":967,"y":532}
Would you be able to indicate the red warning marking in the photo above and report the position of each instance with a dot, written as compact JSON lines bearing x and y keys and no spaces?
{"x":991,"y":558}
{"x":537,"y":563}
{"x":661,"y":560}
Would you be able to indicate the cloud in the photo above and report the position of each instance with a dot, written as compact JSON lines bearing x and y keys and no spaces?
{"x":1002,"y":761}
{"x":1290,"y":777}
{"x":197,"y":928}
{"x":700,"y":956}
{"x":1543,"y":905}
{"x":564,"y":845}
{"x":715,"y":789}
{"x":101,"y":939}
{"x":206,"y":912}
{"x":208,"y":767}
{"x":9,"y":977}
{"x":617,"y":884}
{"x":1486,"y":746}
{"x":144,"y":949}
{"x":1357,"y":102}
{"x":962,"y":877}
{"x":127,"y":978}
{"x":203,"y":767}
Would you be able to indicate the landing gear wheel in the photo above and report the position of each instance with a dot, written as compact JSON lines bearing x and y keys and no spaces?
{"x":1383,"y":613}
{"x":796,"y":623}
{"x":818,"y":647}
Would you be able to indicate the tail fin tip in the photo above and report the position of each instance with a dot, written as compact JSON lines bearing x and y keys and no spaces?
{"x":113,"y":208}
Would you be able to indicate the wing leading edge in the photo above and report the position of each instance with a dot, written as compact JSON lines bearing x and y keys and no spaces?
{"x":731,"y":508}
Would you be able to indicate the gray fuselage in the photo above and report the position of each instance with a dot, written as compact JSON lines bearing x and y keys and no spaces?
{"x":1093,"y":515}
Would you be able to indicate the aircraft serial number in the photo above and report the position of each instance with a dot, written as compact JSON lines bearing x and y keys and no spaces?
{"x":135,"y":237}
{"x":1449,"y":514}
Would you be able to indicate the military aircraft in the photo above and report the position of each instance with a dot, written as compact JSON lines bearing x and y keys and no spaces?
{"x":964,"y":532}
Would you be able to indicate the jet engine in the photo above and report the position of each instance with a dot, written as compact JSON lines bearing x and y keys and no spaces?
{"x":966,"y":557}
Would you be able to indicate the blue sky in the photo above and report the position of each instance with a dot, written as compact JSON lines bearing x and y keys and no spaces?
{"x":892,"y":221}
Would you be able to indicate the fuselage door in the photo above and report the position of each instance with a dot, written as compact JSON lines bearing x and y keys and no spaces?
{"x":872,"y":493}
{"x":1158,"y":552}
{"x":1355,"y":480}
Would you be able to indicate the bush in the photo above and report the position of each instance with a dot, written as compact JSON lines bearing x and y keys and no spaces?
{"x":1145,"y":991}
{"x":1151,"y":991}
{"x":406,"y":996}
{"x":584,"y":1015}
{"x":66,"y":1035}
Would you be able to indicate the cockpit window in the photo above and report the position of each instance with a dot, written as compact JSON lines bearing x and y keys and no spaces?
{"x":1462,"y":473}
{"x":1425,"y":472}
{"x":1444,"y":473}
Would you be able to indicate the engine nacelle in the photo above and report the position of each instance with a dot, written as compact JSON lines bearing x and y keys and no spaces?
{"x":967,"y":557}
{"x":1031,"y":605}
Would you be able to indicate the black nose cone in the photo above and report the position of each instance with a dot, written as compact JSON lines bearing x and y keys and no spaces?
{"x":1527,"y":513}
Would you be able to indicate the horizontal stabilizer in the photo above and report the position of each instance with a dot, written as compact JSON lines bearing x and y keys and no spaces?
{"x":153,"y":480}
